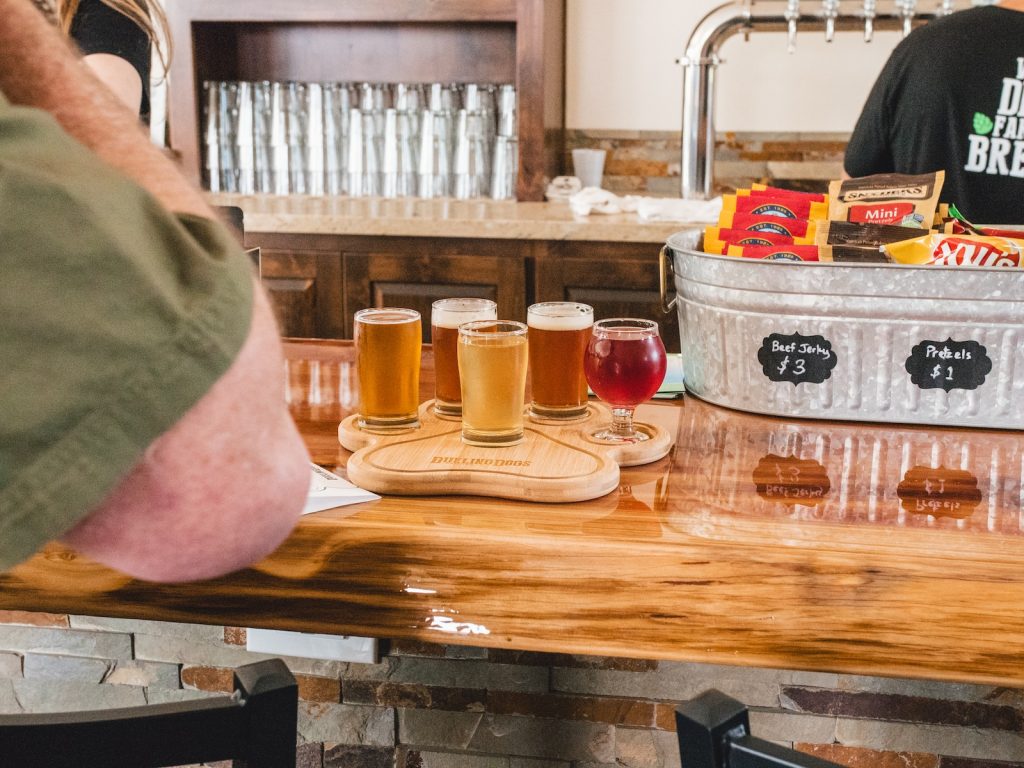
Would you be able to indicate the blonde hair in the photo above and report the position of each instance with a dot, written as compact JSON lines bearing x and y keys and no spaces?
{"x":148,"y":15}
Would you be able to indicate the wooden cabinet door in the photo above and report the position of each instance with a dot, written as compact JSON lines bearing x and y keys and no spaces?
{"x":415,"y":281}
{"x":616,"y":279}
{"x":305,"y":292}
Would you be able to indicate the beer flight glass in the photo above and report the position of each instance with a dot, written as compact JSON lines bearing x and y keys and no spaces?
{"x":624,"y":364}
{"x":492,"y":365}
{"x":559,"y":333}
{"x":446,"y":315}
{"x":388,"y":343}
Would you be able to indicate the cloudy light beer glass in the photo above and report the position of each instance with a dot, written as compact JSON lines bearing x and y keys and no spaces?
{"x":492,"y":366}
{"x":446,"y":315}
{"x":388,"y":343}
{"x":559,"y":333}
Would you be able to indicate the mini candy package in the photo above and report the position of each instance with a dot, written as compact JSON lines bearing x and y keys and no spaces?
{"x":887,"y":198}
{"x":946,"y":250}
{"x":761,"y":223}
{"x":716,"y":239}
{"x":784,"y":206}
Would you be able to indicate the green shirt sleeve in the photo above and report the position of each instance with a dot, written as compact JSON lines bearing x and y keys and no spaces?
{"x":115,"y":318}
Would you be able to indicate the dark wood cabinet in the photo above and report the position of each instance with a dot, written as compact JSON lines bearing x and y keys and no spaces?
{"x":493,"y":41}
{"x":318,"y":282}
{"x":616,"y":279}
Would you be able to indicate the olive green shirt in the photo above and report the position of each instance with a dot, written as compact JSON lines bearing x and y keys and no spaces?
{"x":115,"y":318}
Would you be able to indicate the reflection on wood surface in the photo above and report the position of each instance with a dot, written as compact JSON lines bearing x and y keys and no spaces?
{"x":860,"y":548}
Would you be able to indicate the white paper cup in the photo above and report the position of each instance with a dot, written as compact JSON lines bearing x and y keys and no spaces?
{"x":588,"y":166}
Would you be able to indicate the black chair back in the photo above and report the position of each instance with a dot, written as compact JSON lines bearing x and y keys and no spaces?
{"x":256,"y":724}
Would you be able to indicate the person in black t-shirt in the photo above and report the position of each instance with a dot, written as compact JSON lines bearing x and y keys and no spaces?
{"x":117,"y":38}
{"x":951,"y":97}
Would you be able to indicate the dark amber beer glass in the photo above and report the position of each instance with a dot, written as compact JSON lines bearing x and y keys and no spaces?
{"x":446,"y":315}
{"x":559,"y":333}
{"x":388,"y":343}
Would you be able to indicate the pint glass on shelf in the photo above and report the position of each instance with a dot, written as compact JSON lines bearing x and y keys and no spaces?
{"x":559,"y":333}
{"x":492,"y":366}
{"x":446,"y":315}
{"x":388,"y":343}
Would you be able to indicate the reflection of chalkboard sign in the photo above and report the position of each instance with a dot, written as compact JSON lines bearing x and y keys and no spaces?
{"x":939,"y":492}
{"x":796,"y":358}
{"x":791,"y":480}
{"x":948,"y":364}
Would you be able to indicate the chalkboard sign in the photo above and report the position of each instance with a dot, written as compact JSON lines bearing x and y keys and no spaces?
{"x":790,"y":480}
{"x":948,"y":365}
{"x":939,"y":492}
{"x":796,"y":358}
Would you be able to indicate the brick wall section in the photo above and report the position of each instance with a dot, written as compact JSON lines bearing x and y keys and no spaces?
{"x":436,"y":706}
{"x":647,"y":162}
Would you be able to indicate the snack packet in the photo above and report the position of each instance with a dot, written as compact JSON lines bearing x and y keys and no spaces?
{"x":716,"y":239}
{"x":848,"y":233}
{"x":785,"y":206}
{"x":958,"y":251}
{"x":887,"y":198}
{"x":764,"y":189}
{"x":762,"y":223}
{"x":838,"y":253}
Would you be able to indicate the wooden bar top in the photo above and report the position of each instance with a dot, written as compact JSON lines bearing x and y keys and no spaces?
{"x":867,"y":549}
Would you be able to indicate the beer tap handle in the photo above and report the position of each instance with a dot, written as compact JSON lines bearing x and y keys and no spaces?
{"x":869,"y":20}
{"x":907,"y":11}
{"x":792,"y":15}
{"x":831,"y":11}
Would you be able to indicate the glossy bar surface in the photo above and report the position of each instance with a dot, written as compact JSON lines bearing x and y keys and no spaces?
{"x":858,"y":548}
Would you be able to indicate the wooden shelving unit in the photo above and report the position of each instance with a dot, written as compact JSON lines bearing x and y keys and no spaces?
{"x":518,"y":41}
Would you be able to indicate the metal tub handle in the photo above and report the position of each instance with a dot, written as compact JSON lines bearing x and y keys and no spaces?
{"x":666,"y":277}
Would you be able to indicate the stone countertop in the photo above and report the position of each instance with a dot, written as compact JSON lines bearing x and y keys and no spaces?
{"x":416,"y":217}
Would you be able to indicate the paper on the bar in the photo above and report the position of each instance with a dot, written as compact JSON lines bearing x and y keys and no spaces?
{"x":327,"y":490}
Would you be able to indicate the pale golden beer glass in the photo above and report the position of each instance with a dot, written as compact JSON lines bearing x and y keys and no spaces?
{"x":388,"y":344}
{"x":559,"y":333}
{"x":446,"y":315}
{"x":492,"y":366}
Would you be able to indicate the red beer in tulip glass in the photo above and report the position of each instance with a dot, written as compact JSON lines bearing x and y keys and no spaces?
{"x":624,"y":365}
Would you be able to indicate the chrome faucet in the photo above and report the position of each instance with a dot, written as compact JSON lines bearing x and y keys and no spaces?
{"x":792,"y":15}
{"x":830,"y":11}
{"x":907,"y":9}
{"x":946,"y":7}
{"x":869,"y":19}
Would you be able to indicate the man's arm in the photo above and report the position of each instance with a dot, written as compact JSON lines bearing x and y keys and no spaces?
{"x":225,"y":484}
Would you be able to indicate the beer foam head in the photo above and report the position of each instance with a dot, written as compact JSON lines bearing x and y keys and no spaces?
{"x":453,"y":317}
{"x":560,"y":316}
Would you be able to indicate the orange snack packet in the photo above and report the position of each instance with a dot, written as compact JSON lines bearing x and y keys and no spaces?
{"x":761,"y":223}
{"x":958,"y":251}
{"x":756,"y":189}
{"x":787,"y":252}
{"x":788,"y":207}
{"x":716,"y":239}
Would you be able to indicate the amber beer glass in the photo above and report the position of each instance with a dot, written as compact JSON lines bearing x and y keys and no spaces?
{"x":446,"y":315}
{"x":388,"y":343}
{"x":492,"y":365}
{"x":559,"y":333}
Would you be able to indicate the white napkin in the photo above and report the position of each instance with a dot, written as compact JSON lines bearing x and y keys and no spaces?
{"x":596,"y":200}
{"x":327,"y":490}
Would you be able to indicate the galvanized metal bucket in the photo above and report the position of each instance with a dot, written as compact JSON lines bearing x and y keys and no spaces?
{"x":866,"y":342}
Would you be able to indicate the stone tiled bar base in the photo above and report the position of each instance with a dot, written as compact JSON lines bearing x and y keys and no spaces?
{"x":647,"y":162}
{"x":436,"y":706}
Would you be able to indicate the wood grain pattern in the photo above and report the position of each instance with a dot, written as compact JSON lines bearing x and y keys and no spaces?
{"x":854,"y":548}
{"x":555,"y":463}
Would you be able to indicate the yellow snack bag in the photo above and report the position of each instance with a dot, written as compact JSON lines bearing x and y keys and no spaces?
{"x":958,"y":251}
